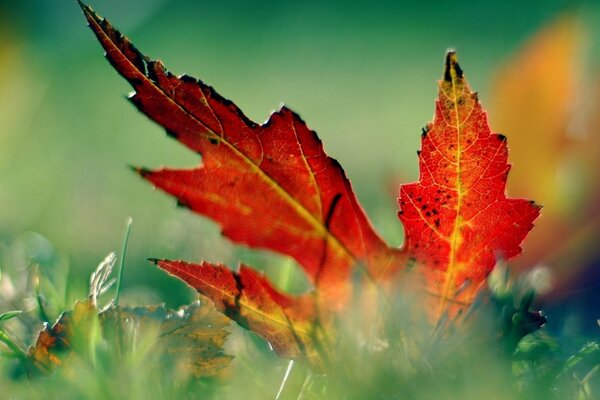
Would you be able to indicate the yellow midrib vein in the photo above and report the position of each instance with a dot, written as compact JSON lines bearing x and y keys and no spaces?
{"x":454,"y":237}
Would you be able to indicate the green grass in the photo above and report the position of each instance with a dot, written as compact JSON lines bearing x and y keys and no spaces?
{"x":498,"y":353}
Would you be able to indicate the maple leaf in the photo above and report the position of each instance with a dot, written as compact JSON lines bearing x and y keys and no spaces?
{"x":457,"y":218}
{"x":272,"y":186}
{"x":269,"y":186}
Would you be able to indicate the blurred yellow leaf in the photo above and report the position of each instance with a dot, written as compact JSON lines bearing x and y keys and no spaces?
{"x":190,"y":339}
{"x":54,"y":342}
{"x":531,"y":103}
{"x":538,"y":101}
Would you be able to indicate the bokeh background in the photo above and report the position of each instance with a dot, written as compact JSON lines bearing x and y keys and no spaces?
{"x":362,"y":74}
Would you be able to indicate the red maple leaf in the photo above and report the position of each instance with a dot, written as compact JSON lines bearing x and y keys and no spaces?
{"x":457,"y":218}
{"x":272,"y":186}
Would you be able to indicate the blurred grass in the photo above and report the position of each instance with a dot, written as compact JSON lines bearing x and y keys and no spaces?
{"x":482,"y":358}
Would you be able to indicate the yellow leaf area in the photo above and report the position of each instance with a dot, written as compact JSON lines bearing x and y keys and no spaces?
{"x":532,"y":102}
{"x":191,"y":339}
{"x":548,"y":110}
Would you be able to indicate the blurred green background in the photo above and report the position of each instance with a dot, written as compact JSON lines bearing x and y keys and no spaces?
{"x":362,"y":74}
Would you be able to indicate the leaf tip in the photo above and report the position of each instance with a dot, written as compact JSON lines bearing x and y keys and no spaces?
{"x":88,"y":12}
{"x":141,"y":171}
{"x":452,"y":70}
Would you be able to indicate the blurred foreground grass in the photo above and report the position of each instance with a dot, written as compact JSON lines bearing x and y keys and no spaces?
{"x":499,"y":353}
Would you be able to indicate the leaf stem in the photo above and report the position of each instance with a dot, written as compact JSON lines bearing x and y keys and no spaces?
{"x":39,"y":299}
{"x":122,"y":261}
{"x":293,"y":381}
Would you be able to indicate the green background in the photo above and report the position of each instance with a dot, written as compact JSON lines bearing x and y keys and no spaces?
{"x":362,"y":74}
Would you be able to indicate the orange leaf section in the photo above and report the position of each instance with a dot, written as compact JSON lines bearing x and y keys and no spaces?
{"x":269,"y":186}
{"x":458,"y":221}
